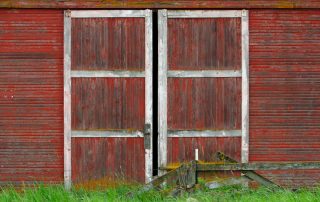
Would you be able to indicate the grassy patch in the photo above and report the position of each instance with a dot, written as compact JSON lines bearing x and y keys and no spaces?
{"x":134,"y":193}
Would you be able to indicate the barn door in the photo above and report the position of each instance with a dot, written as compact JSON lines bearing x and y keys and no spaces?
{"x":203,"y":85}
{"x":108,"y":96}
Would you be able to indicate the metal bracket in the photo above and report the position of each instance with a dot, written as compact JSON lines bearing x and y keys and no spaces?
{"x":147,"y":136}
{"x":68,"y":13}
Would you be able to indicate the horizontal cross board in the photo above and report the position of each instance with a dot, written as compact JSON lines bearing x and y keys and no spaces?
{"x":81,"y":74}
{"x":120,"y":133}
{"x":205,"y":133}
{"x":204,"y":73}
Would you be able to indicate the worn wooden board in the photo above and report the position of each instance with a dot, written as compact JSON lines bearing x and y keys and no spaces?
{"x":108,"y":103}
{"x":204,"y":44}
{"x":204,"y":103}
{"x":207,"y":102}
{"x":110,"y":100}
{"x":108,"y":44}
{"x":204,"y":4}
{"x":104,"y":160}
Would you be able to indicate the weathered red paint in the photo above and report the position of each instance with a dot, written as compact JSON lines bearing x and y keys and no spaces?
{"x":183,"y":149}
{"x":285,"y":90}
{"x":108,"y":103}
{"x":31,"y":96}
{"x":108,"y":44}
{"x":178,"y":4}
{"x":108,"y":158}
{"x":204,"y":44}
{"x":204,"y":103}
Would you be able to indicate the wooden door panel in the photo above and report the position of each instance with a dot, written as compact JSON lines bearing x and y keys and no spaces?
{"x":110,"y":74}
{"x":108,"y":44}
{"x":202,"y":85}
{"x":108,"y":103}
{"x":204,"y":43}
{"x":204,"y":103}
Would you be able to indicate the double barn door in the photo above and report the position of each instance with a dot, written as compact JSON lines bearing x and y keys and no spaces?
{"x":108,"y":80}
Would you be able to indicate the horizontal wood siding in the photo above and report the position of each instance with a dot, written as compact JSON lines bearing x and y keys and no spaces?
{"x":199,"y":44}
{"x":108,"y":44}
{"x":108,"y":103}
{"x":204,"y":4}
{"x":204,"y":103}
{"x":31,"y":96}
{"x":285,"y":89}
{"x":103,"y":159}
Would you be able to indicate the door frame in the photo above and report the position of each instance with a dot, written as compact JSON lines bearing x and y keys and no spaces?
{"x":163,"y":16}
{"x":68,"y":74}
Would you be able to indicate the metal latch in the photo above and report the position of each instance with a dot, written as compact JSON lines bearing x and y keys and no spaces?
{"x":147,"y":136}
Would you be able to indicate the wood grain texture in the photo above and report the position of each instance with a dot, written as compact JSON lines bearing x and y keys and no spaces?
{"x":108,"y":158}
{"x":204,"y":103}
{"x":205,"y":4}
{"x":285,"y":89}
{"x":108,"y":44}
{"x":108,"y":103}
{"x":204,"y":44}
{"x":183,"y":149}
{"x":31,"y":96}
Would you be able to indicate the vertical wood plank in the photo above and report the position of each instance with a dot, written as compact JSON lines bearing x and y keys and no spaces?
{"x":162,"y":107}
{"x":245,"y":86}
{"x":67,"y":100}
{"x":148,"y":91}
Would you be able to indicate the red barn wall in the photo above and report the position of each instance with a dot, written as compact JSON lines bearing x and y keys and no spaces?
{"x":285,"y":91}
{"x":31,"y":96}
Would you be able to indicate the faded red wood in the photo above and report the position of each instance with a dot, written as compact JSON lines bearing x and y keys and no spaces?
{"x":232,"y":4}
{"x":204,"y":103}
{"x":108,"y":103}
{"x":183,"y":149}
{"x":285,"y":90}
{"x":198,"y":44}
{"x":31,"y":96}
{"x":104,"y":159}
{"x":108,"y":44}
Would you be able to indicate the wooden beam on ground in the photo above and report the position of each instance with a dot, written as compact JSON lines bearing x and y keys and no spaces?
{"x":184,"y":176}
{"x":249,"y":174}
{"x":257,"y":166}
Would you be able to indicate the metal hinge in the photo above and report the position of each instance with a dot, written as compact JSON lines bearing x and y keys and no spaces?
{"x":147,"y":136}
{"x":67,"y":13}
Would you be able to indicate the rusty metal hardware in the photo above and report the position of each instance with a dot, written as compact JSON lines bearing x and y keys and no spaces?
{"x":147,"y":136}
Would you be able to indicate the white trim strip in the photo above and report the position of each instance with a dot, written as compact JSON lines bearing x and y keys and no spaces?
{"x":108,"y":14}
{"x":162,"y":85}
{"x":205,"y":73}
{"x":204,"y":14}
{"x":67,"y":100}
{"x":245,"y":87}
{"x":83,"y":74}
{"x":148,"y":92}
{"x":205,"y":133}
{"x":91,"y":133}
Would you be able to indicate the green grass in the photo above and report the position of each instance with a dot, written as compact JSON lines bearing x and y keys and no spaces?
{"x":133,"y":193}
